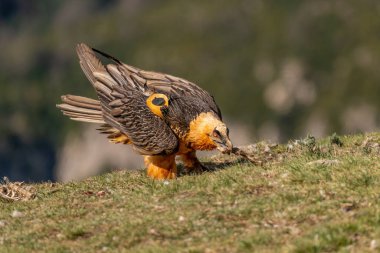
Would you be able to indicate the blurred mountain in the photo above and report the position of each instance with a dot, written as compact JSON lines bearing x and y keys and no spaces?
{"x":285,"y":68}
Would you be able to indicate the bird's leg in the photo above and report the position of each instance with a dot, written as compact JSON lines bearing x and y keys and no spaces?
{"x":161,"y":167}
{"x":191,"y":162}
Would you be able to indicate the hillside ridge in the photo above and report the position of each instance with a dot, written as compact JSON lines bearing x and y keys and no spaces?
{"x":306,"y":195}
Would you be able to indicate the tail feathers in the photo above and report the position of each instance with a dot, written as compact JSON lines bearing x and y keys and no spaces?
{"x":81,"y":109}
{"x":89,"y":110}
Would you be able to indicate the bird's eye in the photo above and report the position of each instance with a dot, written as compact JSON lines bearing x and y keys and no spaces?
{"x":216,"y":133}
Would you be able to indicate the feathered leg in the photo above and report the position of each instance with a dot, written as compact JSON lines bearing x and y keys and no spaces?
{"x":191,"y":162}
{"x":161,"y":167}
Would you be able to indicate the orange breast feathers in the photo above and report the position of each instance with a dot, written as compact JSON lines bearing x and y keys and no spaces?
{"x":200,"y":130}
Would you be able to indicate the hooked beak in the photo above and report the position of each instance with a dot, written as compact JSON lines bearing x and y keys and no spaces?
{"x":225,"y":147}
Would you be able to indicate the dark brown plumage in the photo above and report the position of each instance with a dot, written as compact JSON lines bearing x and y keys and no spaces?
{"x":158,"y":114}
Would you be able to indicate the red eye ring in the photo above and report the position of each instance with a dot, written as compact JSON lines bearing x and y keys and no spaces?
{"x":216,"y":134}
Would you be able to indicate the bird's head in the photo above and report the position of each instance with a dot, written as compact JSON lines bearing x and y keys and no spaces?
{"x":221,"y":139}
{"x":208,"y":132}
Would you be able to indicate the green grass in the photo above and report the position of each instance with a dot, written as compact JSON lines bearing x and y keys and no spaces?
{"x":290,"y":204}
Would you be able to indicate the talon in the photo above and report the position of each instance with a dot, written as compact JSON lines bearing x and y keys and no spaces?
{"x":192,"y":164}
{"x":196,"y":169}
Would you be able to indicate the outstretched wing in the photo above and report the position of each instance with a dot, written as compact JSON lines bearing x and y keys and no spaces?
{"x":123,"y":103}
{"x":174,"y":87}
{"x":178,"y":88}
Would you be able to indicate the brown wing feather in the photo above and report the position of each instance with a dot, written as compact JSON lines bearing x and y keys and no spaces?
{"x":89,"y":110}
{"x":123,"y":105}
{"x":81,"y":109}
{"x":177,"y":88}
{"x":155,"y":82}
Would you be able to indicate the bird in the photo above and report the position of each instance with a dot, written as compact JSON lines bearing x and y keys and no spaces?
{"x":161,"y":116}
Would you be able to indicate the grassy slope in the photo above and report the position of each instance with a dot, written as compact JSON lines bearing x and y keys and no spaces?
{"x":293,"y":205}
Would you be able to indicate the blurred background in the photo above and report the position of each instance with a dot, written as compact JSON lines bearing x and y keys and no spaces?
{"x":279,"y":69}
